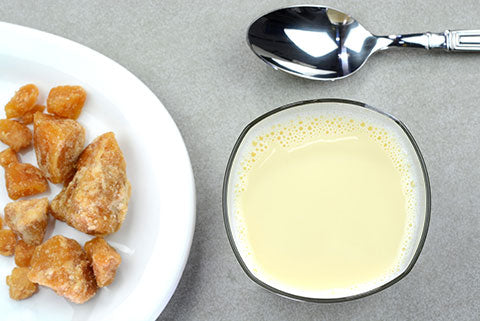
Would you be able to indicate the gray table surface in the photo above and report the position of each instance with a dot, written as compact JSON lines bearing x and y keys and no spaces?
{"x":194,"y":57}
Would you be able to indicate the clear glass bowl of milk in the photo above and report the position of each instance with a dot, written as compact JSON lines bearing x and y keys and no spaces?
{"x":326,"y":200}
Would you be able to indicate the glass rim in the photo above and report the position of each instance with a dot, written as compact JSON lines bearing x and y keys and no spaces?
{"x":231,"y":240}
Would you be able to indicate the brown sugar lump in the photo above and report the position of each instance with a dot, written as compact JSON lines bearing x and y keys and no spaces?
{"x":58,"y":142}
{"x":22,"y":102}
{"x":24,"y":180}
{"x":15,"y":134}
{"x":61,"y":264}
{"x":96,"y":200}
{"x":7,"y":157}
{"x":7,"y":242}
{"x":105,"y":260}
{"x":28,"y":219}
{"x":23,"y":253}
{"x":28,"y":117}
{"x":20,"y":286}
{"x":66,"y":101}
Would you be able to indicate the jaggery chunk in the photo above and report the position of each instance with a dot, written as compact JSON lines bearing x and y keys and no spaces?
{"x":7,"y":157}
{"x":1,"y":223}
{"x":28,"y":219}
{"x":15,"y":134}
{"x":66,"y":101}
{"x":28,"y":117}
{"x":20,"y":286}
{"x":24,"y":180}
{"x":96,"y":200}
{"x":7,"y":242}
{"x":61,"y":264}
{"x":58,"y":142}
{"x":105,"y":260}
{"x":23,"y":253}
{"x":22,"y":102}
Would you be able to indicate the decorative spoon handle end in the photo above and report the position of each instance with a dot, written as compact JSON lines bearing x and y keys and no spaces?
{"x":463,"y":40}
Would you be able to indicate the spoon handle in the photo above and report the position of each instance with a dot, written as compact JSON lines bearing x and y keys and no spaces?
{"x":463,"y":40}
{"x":450,"y":40}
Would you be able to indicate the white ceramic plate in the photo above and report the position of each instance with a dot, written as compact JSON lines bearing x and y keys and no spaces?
{"x":155,"y":238}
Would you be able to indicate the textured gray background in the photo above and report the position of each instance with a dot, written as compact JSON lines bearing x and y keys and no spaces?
{"x":193,"y":55}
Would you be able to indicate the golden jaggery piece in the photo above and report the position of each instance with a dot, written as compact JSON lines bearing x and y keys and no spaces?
{"x":96,"y":200}
{"x":7,"y":157}
{"x":105,"y":260}
{"x":22,"y":102}
{"x":58,"y":142}
{"x":23,"y":253}
{"x":8,"y":240}
{"x":1,"y":222}
{"x":24,"y":180}
{"x":15,"y":134}
{"x":66,"y":101}
{"x":28,"y":117}
{"x":20,"y":286}
{"x":28,"y":219}
{"x":61,"y":264}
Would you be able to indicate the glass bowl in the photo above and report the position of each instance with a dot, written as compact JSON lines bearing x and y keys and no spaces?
{"x":309,"y":108}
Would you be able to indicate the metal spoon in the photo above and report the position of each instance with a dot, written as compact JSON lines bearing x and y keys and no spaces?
{"x":321,"y":43}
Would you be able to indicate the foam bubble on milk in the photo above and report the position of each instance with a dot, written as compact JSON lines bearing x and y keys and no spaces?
{"x":302,"y":129}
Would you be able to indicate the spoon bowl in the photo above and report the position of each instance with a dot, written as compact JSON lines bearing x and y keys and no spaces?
{"x":321,"y":43}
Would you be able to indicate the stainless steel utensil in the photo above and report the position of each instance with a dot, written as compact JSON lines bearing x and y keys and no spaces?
{"x":321,"y":43}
